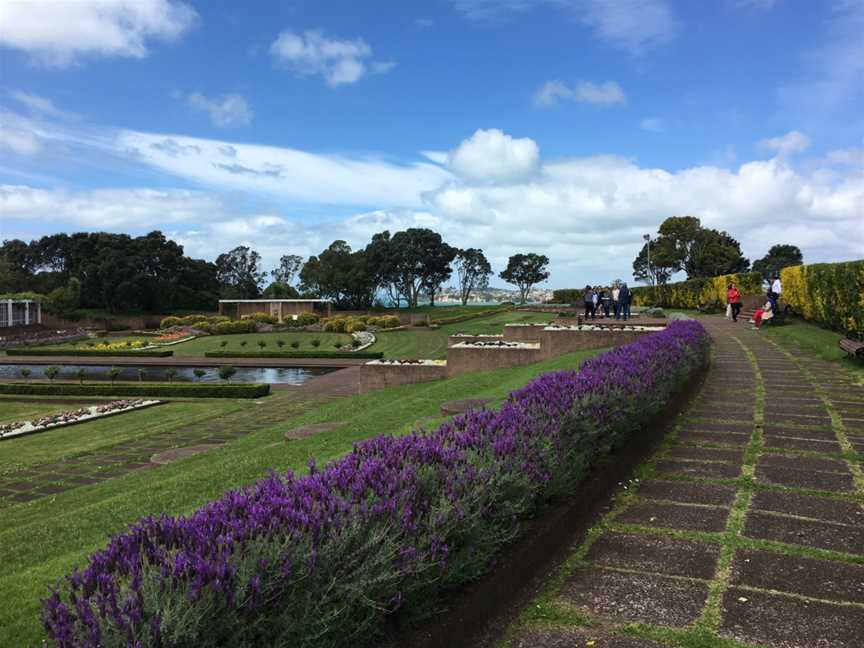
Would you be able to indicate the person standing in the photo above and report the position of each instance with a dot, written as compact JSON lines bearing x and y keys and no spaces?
{"x":616,"y":306}
{"x":776,"y":290}
{"x":588,"y":299}
{"x":624,"y":300}
{"x":733,"y":298}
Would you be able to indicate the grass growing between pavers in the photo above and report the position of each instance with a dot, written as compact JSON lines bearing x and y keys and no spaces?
{"x":43,"y":540}
{"x":432,"y":343}
{"x":13,"y":409}
{"x":550,"y":612}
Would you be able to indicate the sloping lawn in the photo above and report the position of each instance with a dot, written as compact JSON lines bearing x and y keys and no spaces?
{"x":26,"y":410}
{"x":432,"y":343}
{"x":43,"y":540}
{"x":816,"y":340}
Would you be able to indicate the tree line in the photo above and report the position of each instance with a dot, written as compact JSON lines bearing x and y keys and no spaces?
{"x":683,"y":244}
{"x":121,"y":273}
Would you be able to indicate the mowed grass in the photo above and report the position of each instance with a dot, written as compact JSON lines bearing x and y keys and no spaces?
{"x":27,"y":410}
{"x":821,"y":342}
{"x":54,"y":445}
{"x":43,"y":540}
{"x":432,"y":343}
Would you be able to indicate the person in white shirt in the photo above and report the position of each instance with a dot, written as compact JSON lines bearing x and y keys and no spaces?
{"x":615,"y":305}
{"x":774,"y":293}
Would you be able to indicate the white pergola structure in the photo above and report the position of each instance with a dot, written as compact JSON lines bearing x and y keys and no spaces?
{"x":20,"y":312}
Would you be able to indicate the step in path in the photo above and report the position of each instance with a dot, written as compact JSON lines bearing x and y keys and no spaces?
{"x":746,"y":529}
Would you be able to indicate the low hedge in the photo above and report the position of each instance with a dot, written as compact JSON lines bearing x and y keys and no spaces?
{"x":155,"y":353}
{"x":359,"y":355}
{"x":694,"y":293}
{"x":830,"y":294}
{"x":470,"y":316}
{"x":158,"y":390}
{"x":322,"y":559}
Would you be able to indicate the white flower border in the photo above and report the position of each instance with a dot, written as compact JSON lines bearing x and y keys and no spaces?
{"x":29,"y":428}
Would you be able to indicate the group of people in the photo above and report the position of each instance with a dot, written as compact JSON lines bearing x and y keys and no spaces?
{"x":601,"y":301}
{"x":766,"y":312}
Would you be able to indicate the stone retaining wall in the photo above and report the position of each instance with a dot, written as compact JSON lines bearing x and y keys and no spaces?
{"x":524,"y":332}
{"x":376,"y":375}
{"x":464,"y":337}
{"x":464,"y":358}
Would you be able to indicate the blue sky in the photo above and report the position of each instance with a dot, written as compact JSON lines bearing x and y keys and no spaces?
{"x":566,"y":127}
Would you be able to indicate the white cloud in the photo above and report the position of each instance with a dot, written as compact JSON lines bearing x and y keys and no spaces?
{"x":338,"y":61}
{"x":652,"y":124}
{"x":424,"y":23}
{"x":438,"y":157}
{"x":788,"y":144}
{"x":633,"y":25}
{"x":761,"y":5}
{"x":40,"y":105}
{"x":227,"y":110}
{"x":113,"y":208}
{"x":491,"y":155}
{"x":59,"y":33}
{"x":851,"y":156}
{"x":18,"y":135}
{"x":604,"y":94}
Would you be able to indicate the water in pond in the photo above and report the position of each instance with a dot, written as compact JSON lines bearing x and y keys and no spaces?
{"x":277,"y":376}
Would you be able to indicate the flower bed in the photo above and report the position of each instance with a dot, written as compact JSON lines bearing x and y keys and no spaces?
{"x":321,"y":559}
{"x":159,"y":390}
{"x":42,"y":337}
{"x":20,"y":428}
{"x":97,"y":352}
{"x":409,"y":362}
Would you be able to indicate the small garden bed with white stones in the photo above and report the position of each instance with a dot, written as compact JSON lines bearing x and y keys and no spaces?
{"x":72,"y":417}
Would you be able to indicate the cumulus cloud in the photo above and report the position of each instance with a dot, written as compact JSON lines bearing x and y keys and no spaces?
{"x":603,"y":94}
{"x":492,"y":156}
{"x":788,"y":144}
{"x":60,"y":33}
{"x":633,"y":25}
{"x":227,"y":110}
{"x":339,"y":61}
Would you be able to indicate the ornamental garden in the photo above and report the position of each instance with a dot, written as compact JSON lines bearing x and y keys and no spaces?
{"x":375,"y":477}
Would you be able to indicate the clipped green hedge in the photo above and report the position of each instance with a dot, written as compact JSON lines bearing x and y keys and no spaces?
{"x":568,"y":295}
{"x":156,"y":353}
{"x":288,"y":355}
{"x":694,"y":293}
{"x":156,"y":390}
{"x":829,"y":294}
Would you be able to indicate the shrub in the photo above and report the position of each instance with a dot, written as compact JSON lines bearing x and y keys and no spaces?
{"x":156,"y":390}
{"x":25,"y":373}
{"x":236,"y":326}
{"x":226,"y":372}
{"x":263,"y":318}
{"x":261,"y":344}
{"x":696,"y":292}
{"x":295,"y":344}
{"x":321,"y":559}
{"x":315,"y":343}
{"x":829,"y":294}
{"x":113,"y":374}
{"x":51,"y":372}
{"x":359,"y":355}
{"x":306,"y":318}
{"x":243,"y":343}
{"x":168,"y":322}
{"x":280,"y":343}
{"x":170,"y":374}
{"x":223,"y":343}
{"x":199,"y":373}
{"x":355,"y":326}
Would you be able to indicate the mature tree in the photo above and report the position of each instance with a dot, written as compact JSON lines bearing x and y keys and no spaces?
{"x":239,"y":272}
{"x":340,"y":275}
{"x":778,"y":257}
{"x":683,"y":244}
{"x":525,"y":271}
{"x":472,"y":272}
{"x":289,"y":266}
{"x":436,"y":268}
{"x":278,"y":290}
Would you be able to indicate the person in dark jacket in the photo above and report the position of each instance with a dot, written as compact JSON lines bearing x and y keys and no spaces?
{"x":624,"y":301}
{"x":588,"y":298}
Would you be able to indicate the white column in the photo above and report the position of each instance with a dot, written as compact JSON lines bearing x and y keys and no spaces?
{"x":9,"y":311}
{"x":38,"y":312}
{"x":26,"y":313}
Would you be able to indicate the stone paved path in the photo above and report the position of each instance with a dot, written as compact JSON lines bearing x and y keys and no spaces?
{"x":746,"y":529}
{"x":86,"y":468}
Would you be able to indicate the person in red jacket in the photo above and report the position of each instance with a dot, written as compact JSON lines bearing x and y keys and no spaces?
{"x":733,"y":298}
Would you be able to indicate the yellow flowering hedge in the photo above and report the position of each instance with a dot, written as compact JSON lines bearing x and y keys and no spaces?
{"x":696,"y":292}
{"x":830,"y":294}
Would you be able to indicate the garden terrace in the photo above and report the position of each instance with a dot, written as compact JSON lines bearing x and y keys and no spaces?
{"x":61,"y":496}
{"x":403,"y":509}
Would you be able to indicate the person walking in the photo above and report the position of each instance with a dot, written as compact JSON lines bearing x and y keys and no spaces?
{"x":774,"y":293}
{"x":733,"y":298}
{"x":616,"y":305}
{"x":594,"y":301}
{"x":624,"y":300}
{"x":588,"y":299}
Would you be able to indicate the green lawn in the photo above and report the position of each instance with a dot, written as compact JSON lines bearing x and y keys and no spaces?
{"x":43,"y":540}
{"x":55,"y":445}
{"x":816,"y":340}
{"x":432,"y":343}
{"x":441,"y":312}
{"x":24,"y":410}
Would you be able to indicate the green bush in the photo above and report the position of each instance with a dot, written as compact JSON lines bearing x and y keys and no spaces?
{"x":168,"y":322}
{"x":829,"y":294}
{"x":262,"y":318}
{"x":237,"y":326}
{"x":568,"y":296}
{"x":155,"y":390}
{"x":694,"y":293}
{"x":359,"y":355}
{"x":158,"y":353}
{"x":307,"y":318}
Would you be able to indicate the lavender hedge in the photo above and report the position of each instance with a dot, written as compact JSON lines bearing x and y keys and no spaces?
{"x":322,"y":559}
